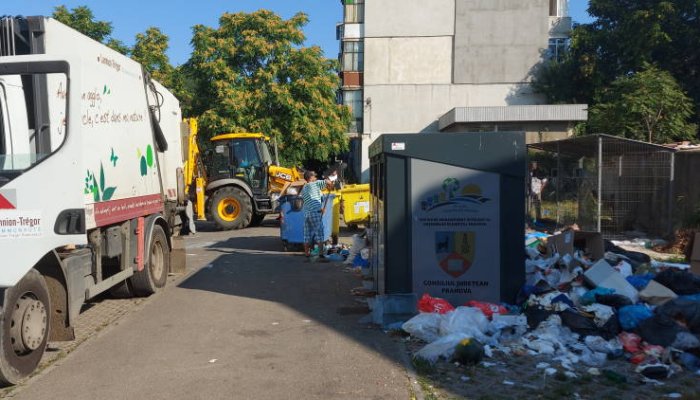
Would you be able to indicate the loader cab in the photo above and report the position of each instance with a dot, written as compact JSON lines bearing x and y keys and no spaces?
{"x":245,"y":156}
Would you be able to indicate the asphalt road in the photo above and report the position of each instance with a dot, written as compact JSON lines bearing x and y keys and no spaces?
{"x":248,"y":321}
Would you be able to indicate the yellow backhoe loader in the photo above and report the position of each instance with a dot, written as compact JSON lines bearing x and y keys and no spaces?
{"x":236,"y":182}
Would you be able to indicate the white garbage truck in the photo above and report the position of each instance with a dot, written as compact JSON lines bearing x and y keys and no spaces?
{"x":90,"y":183}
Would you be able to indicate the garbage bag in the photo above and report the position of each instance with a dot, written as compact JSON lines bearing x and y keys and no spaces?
{"x":615,"y":301}
{"x":635,"y":258}
{"x":487,"y":308}
{"x":640,"y":281}
{"x":431,"y":304}
{"x":631,"y":316}
{"x":424,"y":326}
{"x":683,"y":310}
{"x":660,"y":330}
{"x":631,"y":342}
{"x":590,"y":296}
{"x":690,"y":362}
{"x":612,"y":347}
{"x":466,"y":320}
{"x":681,"y":282}
{"x":535,"y":315}
{"x":686,"y":341}
{"x":443,"y":347}
{"x":585,"y":326}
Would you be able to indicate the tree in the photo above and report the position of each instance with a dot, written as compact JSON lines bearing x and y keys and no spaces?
{"x":83,"y":20}
{"x":252,"y":74}
{"x":625,"y":36}
{"x":149,"y":50}
{"x":648,"y":105}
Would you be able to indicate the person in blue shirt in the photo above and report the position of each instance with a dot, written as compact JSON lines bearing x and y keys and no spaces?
{"x":313,"y":211}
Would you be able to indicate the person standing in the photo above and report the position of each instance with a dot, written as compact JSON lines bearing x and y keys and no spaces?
{"x":313,"y":211}
{"x":538,"y":181}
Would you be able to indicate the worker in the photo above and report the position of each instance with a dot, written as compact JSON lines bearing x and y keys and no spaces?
{"x":313,"y":212}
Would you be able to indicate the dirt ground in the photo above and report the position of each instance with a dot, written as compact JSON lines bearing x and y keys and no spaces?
{"x":517,"y":377}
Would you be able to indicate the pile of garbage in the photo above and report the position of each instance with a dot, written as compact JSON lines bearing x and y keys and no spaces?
{"x":581,"y":305}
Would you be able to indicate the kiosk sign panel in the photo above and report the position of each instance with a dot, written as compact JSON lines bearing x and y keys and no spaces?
{"x":456,"y":245}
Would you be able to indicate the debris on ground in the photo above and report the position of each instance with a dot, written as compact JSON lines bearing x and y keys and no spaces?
{"x":583,"y":311}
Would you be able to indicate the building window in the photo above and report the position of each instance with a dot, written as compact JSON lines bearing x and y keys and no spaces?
{"x":353,"y":57}
{"x":353,"y":99}
{"x":557,"y":48}
{"x":354,"y":11}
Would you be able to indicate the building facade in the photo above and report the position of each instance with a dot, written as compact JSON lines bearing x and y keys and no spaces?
{"x":410,"y":66}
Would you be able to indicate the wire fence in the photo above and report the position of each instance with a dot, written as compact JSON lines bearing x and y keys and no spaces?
{"x":612,"y":185}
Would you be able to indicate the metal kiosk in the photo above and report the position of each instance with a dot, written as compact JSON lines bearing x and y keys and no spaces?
{"x":448,"y":217}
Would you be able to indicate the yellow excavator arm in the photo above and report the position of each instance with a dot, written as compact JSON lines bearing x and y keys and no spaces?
{"x":195,"y":174}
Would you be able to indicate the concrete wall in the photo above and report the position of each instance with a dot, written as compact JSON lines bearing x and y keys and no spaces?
{"x":409,"y":18}
{"x":417,"y":108}
{"x":423,"y":58}
{"x":419,"y":60}
{"x":499,"y":40}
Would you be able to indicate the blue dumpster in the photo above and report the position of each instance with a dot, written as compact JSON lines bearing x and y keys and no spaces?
{"x":292,"y":221}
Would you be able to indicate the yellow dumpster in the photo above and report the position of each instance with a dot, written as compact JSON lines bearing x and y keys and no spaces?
{"x":356,"y":203}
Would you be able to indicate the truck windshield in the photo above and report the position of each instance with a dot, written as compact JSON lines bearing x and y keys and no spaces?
{"x":32,"y":119}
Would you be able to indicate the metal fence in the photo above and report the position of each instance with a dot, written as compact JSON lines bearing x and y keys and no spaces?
{"x":608,"y":184}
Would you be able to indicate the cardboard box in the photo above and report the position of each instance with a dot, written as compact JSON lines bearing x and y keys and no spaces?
{"x":562,"y":244}
{"x":568,"y":241}
{"x":695,"y":255}
{"x":591,"y":243}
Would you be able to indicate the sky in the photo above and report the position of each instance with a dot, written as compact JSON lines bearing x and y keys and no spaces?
{"x":176,"y":17}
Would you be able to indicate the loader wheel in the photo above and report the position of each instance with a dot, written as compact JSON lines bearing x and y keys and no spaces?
{"x":155,"y":273}
{"x":25,"y":327}
{"x":231,"y":208}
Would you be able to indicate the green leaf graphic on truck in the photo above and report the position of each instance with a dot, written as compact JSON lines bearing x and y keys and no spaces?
{"x":99,"y":189}
{"x":146,"y":160}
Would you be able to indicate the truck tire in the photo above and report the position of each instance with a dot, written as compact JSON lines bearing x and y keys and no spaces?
{"x":154,"y":275}
{"x":231,"y":208}
{"x":25,"y":327}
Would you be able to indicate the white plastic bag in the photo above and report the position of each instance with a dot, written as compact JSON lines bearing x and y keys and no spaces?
{"x":468,"y":320}
{"x":443,"y":347}
{"x":424,"y":326}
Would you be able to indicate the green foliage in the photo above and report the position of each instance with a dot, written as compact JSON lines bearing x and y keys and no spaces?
{"x":648,"y":105}
{"x":149,"y":50}
{"x":626,"y":37}
{"x":83,"y":20}
{"x":252,"y":74}
{"x":118,"y":45}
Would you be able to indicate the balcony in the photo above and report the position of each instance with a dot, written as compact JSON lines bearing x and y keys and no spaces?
{"x":349,"y":31}
{"x":560,"y":26}
{"x":351,"y":79}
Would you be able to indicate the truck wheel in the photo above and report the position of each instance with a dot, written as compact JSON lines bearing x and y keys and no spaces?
{"x":231,"y":208}
{"x":155,"y":273}
{"x":25,"y":327}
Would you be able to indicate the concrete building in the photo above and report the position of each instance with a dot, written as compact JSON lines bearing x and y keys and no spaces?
{"x":410,"y":66}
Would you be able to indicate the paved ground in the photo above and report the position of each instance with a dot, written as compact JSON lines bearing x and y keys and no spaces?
{"x":248,"y":321}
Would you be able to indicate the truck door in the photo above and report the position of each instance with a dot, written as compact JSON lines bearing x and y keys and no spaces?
{"x":41,"y":198}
